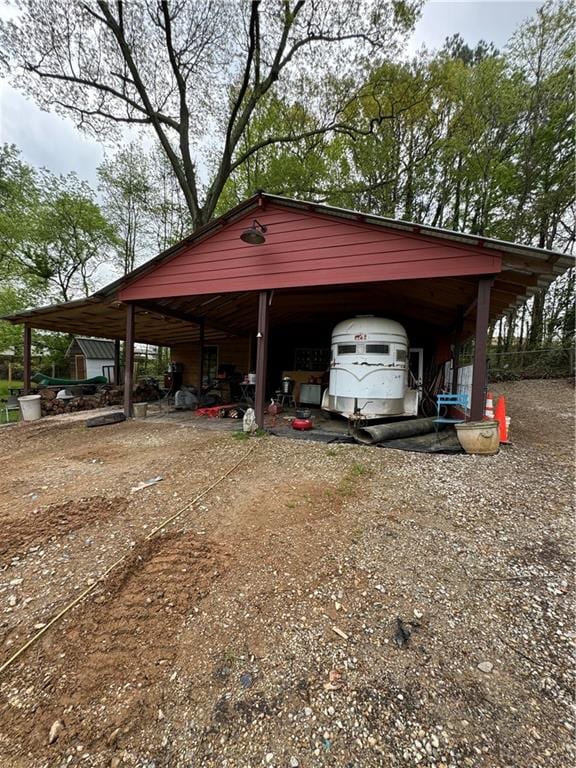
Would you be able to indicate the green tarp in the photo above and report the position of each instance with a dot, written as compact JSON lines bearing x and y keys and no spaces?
{"x":48,"y":381}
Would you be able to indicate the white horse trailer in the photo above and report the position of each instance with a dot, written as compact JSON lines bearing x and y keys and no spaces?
{"x":369,"y":370}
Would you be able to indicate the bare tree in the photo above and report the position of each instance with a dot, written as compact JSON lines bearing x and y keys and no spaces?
{"x":125,"y":187}
{"x":197,"y":71}
{"x":168,"y":214}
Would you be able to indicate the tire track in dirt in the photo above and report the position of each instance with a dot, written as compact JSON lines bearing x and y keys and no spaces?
{"x":104,"y":668}
{"x":19,"y":533}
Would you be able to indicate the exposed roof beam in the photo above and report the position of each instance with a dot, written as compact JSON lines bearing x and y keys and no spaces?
{"x":160,"y":309}
{"x":514,"y":263}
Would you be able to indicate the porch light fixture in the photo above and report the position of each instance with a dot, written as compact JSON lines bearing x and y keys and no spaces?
{"x":255,"y":235}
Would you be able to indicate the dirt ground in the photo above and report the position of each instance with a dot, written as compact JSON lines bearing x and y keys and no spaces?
{"x":321,"y":606}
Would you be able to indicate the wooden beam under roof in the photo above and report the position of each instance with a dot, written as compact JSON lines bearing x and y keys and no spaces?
{"x":175,"y":314}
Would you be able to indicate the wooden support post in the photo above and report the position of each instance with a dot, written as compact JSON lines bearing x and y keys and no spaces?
{"x":201,"y":329}
{"x":478,"y":399}
{"x":457,"y":349}
{"x":129,"y":361}
{"x":27,"y":358}
{"x":117,"y":381}
{"x":261,"y":356}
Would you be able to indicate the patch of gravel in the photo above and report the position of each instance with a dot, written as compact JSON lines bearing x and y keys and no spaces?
{"x":377,"y":608}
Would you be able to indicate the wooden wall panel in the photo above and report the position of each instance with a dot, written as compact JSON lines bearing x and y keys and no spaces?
{"x":230,"y":352}
{"x":306,"y":249}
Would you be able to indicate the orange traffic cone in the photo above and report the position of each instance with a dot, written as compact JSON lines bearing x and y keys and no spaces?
{"x":489,"y":410}
{"x":501,"y":418}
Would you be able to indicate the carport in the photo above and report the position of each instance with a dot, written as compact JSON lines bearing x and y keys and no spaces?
{"x":313,"y":266}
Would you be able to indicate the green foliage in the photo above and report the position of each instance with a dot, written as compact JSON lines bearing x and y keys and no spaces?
{"x":18,"y":199}
{"x":12,"y":299}
{"x":142,"y":200}
{"x":67,"y":237}
{"x":469,"y":139}
{"x":199,"y":75}
{"x":52,"y":348}
{"x":358,"y":470}
{"x":6,"y":385}
{"x":350,"y":481}
{"x":53,"y":235}
{"x":465,"y":138}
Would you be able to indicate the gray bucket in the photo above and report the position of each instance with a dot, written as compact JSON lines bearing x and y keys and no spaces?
{"x":140,"y":410}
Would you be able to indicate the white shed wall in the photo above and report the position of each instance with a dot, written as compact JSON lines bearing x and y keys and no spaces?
{"x":94,"y":367}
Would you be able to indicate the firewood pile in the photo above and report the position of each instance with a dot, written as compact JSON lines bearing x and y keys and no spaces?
{"x":51,"y":405}
{"x":146,"y":392}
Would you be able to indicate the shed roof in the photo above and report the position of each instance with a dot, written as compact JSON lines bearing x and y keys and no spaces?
{"x":95,"y":349}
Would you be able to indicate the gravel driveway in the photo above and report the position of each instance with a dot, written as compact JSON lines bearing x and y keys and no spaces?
{"x":321,"y":606}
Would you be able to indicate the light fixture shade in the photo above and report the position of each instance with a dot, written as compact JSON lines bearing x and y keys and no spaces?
{"x":255,"y":235}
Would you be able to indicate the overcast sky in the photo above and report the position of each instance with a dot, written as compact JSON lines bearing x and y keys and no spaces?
{"x":52,"y":141}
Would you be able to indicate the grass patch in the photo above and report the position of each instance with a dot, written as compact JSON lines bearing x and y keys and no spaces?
{"x":349,"y":482}
{"x":241,"y":435}
{"x":5,"y":387}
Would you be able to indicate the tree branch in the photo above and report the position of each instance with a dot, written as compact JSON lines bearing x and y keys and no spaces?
{"x":189,"y":194}
{"x":102,"y":113}
{"x":333,"y":127}
{"x":184,"y":133}
{"x":254,"y":43}
{"x":235,"y":132}
{"x":35,"y":68}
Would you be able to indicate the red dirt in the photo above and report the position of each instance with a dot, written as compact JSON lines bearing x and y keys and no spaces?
{"x":472,"y":552}
{"x":55,"y":520}
{"x":112,"y":658}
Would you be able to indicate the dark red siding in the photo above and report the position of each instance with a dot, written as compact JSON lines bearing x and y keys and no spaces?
{"x":306,"y":249}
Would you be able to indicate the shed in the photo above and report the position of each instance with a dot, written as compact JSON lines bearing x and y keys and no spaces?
{"x":269,"y":307}
{"x":91,"y":357}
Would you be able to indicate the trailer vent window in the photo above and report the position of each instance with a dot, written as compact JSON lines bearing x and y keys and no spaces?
{"x":400,"y":355}
{"x":346,"y":349}
{"x":377,"y":349}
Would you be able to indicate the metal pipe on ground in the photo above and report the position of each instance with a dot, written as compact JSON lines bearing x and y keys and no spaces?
{"x":378,"y":433}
